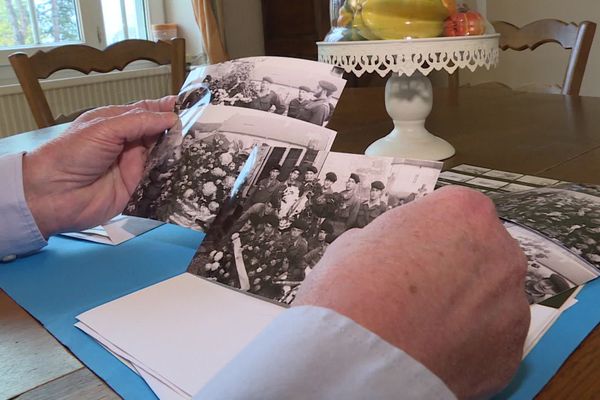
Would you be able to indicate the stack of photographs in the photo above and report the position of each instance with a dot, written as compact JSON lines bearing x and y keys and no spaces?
{"x":489,"y":181}
{"x":556,"y":223}
{"x":559,"y":229}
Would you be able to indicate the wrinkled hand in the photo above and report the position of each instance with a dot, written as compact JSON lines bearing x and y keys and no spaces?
{"x":86,"y":176}
{"x":439,"y":278}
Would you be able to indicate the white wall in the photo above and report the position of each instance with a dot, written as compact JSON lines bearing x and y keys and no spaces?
{"x":182,"y":13}
{"x":547,"y":64}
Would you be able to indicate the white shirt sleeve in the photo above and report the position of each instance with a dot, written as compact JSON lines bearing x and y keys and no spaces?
{"x":315,"y":353}
{"x":19,"y":234}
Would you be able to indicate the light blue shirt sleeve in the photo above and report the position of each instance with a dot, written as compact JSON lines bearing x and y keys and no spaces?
{"x":315,"y":353}
{"x":19,"y":234}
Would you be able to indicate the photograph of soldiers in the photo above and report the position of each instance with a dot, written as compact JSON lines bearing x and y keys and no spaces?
{"x":275,"y":85}
{"x":569,"y":214}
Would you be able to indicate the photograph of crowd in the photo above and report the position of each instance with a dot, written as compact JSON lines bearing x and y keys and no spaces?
{"x":190,"y":177}
{"x":292,"y":209}
{"x":190,"y":187}
{"x":551,"y":269}
{"x":300,"y":89}
{"x":568,"y":214}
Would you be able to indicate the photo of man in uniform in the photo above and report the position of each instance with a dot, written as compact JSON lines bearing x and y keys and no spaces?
{"x":296,"y":106}
{"x":263,"y":192}
{"x":345,"y":217}
{"x":266,"y":99}
{"x":320,"y":110}
{"x":373,"y":207}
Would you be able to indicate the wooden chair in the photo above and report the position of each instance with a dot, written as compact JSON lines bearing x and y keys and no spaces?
{"x":86,"y":59}
{"x":577,"y":38}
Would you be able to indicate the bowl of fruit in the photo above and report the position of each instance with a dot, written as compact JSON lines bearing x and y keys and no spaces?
{"x":358,"y":20}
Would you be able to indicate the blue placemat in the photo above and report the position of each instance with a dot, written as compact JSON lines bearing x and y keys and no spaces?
{"x":71,"y":276}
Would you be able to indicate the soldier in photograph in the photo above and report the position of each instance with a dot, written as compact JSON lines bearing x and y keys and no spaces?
{"x":373,"y":207}
{"x":266,"y":187}
{"x":318,"y":245}
{"x":296,"y":106}
{"x":259,"y":209}
{"x":311,"y":186}
{"x":266,"y":99}
{"x":320,"y":110}
{"x":293,"y":247}
{"x":330,"y":179}
{"x":347,"y":211}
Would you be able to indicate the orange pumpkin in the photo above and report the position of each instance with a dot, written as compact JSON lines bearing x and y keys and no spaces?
{"x":466,"y":23}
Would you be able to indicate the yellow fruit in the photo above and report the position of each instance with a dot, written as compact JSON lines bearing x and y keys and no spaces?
{"x":400,"y":19}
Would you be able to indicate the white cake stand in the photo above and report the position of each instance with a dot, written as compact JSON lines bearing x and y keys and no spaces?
{"x":408,"y":93}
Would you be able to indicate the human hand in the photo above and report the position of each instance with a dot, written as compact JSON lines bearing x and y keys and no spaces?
{"x":86,"y":176}
{"x":439,"y":278}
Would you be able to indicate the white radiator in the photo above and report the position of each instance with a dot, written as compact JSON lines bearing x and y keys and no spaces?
{"x":68,"y":95}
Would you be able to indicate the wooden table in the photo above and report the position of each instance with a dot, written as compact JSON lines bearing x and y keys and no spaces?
{"x":540,"y":134}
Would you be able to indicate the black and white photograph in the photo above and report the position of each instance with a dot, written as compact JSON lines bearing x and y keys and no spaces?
{"x":569,"y":215}
{"x":411,"y":180}
{"x":300,"y":89}
{"x":288,"y":217}
{"x":551,"y":269}
{"x":189,"y":177}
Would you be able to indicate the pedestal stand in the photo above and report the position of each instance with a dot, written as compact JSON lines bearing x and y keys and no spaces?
{"x":408,"y":92}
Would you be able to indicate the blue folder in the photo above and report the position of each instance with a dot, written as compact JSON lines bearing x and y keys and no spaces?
{"x":72,"y":276}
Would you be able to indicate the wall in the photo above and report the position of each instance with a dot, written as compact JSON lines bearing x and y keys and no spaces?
{"x":182,"y":13}
{"x":243,"y":29}
{"x":547,"y":64}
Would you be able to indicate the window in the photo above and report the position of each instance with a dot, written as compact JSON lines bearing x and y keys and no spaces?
{"x":124,"y":19}
{"x":26,"y":25}
{"x":38,"y":22}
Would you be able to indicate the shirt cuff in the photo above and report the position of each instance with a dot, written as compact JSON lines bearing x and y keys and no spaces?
{"x":312,"y":352}
{"x":19,"y":234}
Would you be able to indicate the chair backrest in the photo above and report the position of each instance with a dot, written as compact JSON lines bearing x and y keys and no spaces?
{"x":577,"y":38}
{"x":87,"y":59}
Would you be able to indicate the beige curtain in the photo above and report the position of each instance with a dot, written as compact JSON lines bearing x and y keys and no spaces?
{"x":211,"y":37}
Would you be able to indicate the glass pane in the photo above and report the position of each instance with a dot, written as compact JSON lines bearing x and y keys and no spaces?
{"x":15,"y":24}
{"x":124,"y":19}
{"x":57,"y":21}
{"x":113,"y":21}
{"x":136,"y":19}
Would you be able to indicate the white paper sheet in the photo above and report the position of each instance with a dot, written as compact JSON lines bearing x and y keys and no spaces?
{"x":116,"y":231}
{"x":182,"y":330}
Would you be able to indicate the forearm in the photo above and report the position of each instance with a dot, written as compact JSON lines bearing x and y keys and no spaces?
{"x":19,"y":233}
{"x":312,"y":361}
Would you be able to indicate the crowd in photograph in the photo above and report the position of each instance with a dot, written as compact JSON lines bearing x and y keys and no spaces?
{"x":284,"y":229}
{"x":570,"y":217}
{"x":189,"y":187}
